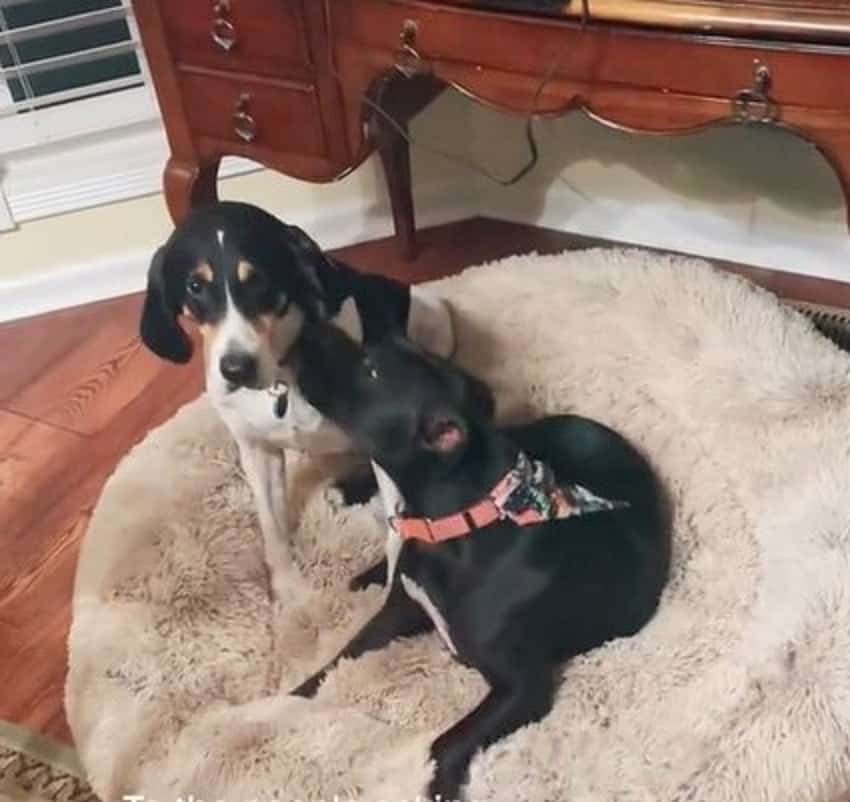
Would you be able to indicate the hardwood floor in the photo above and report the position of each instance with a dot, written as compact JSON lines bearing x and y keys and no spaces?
{"x":77,"y":390}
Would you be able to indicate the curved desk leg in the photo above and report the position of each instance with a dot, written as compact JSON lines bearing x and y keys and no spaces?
{"x":188,"y":185}
{"x":399,"y":98}
{"x":835,"y":146}
{"x":394,"y":151}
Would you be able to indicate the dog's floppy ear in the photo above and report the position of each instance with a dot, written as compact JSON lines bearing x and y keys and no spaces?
{"x":159,"y":328}
{"x":443,"y":432}
{"x":310,"y":257}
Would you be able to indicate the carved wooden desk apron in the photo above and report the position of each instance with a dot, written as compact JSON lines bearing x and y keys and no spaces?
{"x":294,"y":84}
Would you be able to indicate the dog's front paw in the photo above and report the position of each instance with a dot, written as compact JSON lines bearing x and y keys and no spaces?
{"x":376,"y":575}
{"x":308,"y":688}
{"x":444,"y":788}
{"x":451,"y":758}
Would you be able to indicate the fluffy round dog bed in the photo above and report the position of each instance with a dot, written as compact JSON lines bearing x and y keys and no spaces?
{"x":738,"y":689}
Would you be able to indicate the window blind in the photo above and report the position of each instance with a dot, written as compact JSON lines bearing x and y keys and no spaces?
{"x":79,"y":122}
{"x":56,"y":52}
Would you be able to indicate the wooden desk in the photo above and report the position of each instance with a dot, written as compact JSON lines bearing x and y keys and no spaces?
{"x":283,"y":81}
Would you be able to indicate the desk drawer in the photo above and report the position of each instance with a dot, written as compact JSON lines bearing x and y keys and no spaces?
{"x":251,"y":112}
{"x":266,"y":37}
{"x":600,"y":55}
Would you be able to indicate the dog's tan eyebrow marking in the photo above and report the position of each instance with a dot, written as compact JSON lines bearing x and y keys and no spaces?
{"x":203,"y":271}
{"x":244,"y":271}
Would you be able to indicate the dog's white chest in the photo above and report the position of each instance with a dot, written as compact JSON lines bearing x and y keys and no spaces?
{"x":418,"y":594}
{"x":393,"y":505}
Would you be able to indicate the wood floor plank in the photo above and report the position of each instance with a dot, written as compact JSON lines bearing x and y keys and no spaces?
{"x":37,"y":567}
{"x":36,"y":346}
{"x":35,"y":616}
{"x":94,"y":378}
{"x":91,"y":385}
{"x":34,"y":458}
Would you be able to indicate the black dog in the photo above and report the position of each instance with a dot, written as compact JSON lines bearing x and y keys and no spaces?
{"x":516,"y":580}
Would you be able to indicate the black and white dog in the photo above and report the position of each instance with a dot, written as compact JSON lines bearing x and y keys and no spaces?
{"x":523,"y":546}
{"x":250,"y":283}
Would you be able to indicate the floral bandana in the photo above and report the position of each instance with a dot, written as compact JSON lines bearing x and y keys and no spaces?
{"x":528,"y":494}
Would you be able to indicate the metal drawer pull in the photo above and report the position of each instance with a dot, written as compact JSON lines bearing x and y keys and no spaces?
{"x":408,"y":61}
{"x":244,"y":125}
{"x":223,"y":32}
{"x":754,"y":105}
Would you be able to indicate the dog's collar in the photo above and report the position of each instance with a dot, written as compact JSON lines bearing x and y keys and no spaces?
{"x":527,"y":494}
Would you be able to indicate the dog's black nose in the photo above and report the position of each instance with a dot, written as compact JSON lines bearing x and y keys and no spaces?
{"x":239,"y":369}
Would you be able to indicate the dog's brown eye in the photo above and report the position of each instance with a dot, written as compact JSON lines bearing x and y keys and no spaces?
{"x":195,"y":285}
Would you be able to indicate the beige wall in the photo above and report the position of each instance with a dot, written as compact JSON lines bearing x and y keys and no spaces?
{"x":750,"y":194}
{"x":92,"y":234}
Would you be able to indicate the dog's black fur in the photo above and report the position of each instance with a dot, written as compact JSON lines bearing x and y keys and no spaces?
{"x":517,"y":600}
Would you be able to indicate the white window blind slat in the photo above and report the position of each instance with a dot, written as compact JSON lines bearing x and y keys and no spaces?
{"x":61,"y":52}
{"x":10,"y":3}
{"x":74,"y":85}
{"x":63,"y":24}
{"x":67,"y":60}
{"x":89,"y":90}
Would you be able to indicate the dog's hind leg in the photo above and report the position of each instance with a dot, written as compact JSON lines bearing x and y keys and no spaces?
{"x":399,"y":617}
{"x":265,"y":472}
{"x":518,"y":696}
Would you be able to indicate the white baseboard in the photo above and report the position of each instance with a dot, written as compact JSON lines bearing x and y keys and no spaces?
{"x":124,"y":273}
{"x":73,"y":285}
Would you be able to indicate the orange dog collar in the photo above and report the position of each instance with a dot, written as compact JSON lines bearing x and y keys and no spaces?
{"x":528,"y":494}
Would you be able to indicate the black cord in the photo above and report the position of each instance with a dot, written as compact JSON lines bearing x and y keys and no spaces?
{"x":531,"y":118}
{"x":457,"y":158}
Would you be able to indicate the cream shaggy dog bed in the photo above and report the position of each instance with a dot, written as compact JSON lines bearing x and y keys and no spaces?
{"x":739,"y":688}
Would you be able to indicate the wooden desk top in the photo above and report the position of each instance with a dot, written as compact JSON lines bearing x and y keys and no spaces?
{"x":808,"y":20}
